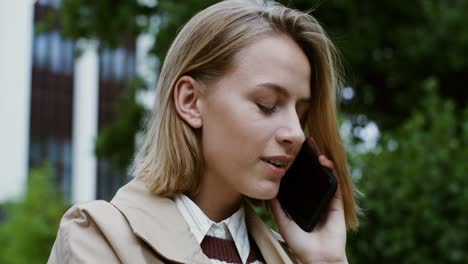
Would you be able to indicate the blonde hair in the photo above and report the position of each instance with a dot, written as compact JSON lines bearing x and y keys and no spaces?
{"x":170,"y":159}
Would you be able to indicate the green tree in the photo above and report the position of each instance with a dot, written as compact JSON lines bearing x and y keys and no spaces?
{"x":390,"y":46}
{"x":117,"y":140}
{"x":31,"y":224}
{"x":415,"y":190}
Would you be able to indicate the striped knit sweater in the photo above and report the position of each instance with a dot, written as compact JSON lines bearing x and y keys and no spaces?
{"x":225,"y":242}
{"x":224,"y":251}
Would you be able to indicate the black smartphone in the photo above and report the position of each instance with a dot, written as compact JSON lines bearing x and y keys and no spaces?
{"x":307,"y":188}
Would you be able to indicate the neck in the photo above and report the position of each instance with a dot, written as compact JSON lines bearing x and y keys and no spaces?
{"x":216,"y":202}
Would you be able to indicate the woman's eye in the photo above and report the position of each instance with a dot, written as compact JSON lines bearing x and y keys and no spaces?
{"x":267,"y":109}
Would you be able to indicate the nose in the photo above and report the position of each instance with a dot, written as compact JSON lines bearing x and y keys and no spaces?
{"x":290,"y":132}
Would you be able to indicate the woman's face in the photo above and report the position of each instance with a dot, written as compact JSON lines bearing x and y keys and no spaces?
{"x":251,"y":118}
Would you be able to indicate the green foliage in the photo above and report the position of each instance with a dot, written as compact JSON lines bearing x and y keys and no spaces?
{"x":116,"y":141}
{"x":31,"y":224}
{"x":109,"y":21}
{"x":174,"y":14}
{"x":389,"y":47}
{"x":415,"y":190}
{"x":266,"y":216}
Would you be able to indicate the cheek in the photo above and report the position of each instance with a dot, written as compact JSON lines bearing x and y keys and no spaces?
{"x":232,"y":145}
{"x":231,"y":124}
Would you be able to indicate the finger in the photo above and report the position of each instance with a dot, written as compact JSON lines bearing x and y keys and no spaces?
{"x":282,"y":219}
{"x":326,"y":162}
{"x":336,"y":202}
{"x":329,"y":164}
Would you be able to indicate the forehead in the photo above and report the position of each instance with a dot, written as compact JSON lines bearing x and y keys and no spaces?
{"x":273,"y":59}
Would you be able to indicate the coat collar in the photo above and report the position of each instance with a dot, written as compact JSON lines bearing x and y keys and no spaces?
{"x":158,"y":222}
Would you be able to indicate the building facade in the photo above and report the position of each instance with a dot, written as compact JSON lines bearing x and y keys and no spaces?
{"x":53,"y":104}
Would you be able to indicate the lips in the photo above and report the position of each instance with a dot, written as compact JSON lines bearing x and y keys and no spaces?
{"x":277,"y":171}
{"x":277,"y":165}
{"x":280,"y":161}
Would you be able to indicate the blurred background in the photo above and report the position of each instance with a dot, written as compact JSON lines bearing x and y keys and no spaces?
{"x":77,"y":78}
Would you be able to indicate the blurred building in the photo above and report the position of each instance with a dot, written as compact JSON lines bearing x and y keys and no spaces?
{"x":52,"y":105}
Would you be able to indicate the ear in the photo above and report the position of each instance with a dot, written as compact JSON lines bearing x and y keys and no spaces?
{"x":186,"y":96}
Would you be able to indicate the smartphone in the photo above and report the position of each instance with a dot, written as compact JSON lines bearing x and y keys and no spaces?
{"x":307,"y":188}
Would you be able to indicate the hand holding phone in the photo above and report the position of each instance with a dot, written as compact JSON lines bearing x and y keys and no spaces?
{"x":307,"y":188}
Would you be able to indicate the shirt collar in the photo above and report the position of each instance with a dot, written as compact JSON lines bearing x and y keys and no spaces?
{"x":233,"y":227}
{"x":158,"y":222}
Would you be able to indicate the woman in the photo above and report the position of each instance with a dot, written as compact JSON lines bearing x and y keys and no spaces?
{"x":241,"y":87}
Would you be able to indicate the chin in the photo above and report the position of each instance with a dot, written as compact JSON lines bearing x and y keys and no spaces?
{"x":264,"y":191}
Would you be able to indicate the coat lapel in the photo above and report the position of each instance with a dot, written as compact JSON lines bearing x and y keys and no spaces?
{"x":272,"y":251}
{"x":158,"y":222}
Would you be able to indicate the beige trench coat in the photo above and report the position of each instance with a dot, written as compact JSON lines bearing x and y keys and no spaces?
{"x":139,"y":227}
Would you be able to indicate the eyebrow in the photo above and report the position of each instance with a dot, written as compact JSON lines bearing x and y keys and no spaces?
{"x":281,"y":90}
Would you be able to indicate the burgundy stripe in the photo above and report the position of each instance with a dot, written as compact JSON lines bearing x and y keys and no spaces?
{"x":225,"y":250}
{"x":220,"y":249}
{"x":254,"y":254}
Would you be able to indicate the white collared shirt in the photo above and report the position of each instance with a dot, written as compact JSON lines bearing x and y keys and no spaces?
{"x":233,"y":227}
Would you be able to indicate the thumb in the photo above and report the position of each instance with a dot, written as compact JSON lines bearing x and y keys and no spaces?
{"x":282,"y":219}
